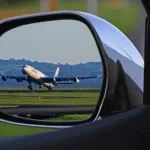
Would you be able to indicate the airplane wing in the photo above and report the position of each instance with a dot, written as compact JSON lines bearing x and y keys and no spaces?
{"x":17,"y":78}
{"x":62,"y":79}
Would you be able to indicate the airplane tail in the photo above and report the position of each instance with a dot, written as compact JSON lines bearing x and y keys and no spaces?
{"x":57,"y":72}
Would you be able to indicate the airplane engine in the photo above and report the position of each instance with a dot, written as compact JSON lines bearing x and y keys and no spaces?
{"x":77,"y":80}
{"x":4,"y":78}
{"x":19,"y":79}
{"x":54,"y":82}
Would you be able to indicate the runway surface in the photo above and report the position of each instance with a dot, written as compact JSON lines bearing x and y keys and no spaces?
{"x":47,"y":111}
{"x":54,"y":90}
{"x":41,"y":111}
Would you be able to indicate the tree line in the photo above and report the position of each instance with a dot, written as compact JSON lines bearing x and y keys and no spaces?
{"x":14,"y":1}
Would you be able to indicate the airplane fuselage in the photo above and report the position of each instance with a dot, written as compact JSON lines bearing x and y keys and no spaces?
{"x":36,"y":76}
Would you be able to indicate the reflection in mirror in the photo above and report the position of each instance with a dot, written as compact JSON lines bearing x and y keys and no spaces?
{"x":50,"y":71}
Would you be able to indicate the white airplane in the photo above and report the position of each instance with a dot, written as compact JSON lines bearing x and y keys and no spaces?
{"x":32,"y":75}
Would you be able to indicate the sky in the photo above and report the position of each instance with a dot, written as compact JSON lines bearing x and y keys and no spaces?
{"x":63,"y":41}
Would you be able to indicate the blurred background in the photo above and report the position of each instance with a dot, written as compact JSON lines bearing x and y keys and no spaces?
{"x":127,"y":15}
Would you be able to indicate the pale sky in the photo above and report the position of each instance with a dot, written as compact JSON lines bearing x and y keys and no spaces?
{"x":63,"y":41}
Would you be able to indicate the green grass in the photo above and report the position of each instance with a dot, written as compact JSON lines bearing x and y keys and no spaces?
{"x":124,"y":17}
{"x":8,"y":130}
{"x":30,"y":5}
{"x":63,"y":98}
{"x":77,"y":5}
{"x":14,"y":99}
{"x":75,"y":117}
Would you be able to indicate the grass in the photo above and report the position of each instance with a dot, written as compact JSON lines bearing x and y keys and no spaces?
{"x":51,"y":98}
{"x":124,"y":17}
{"x":77,"y":5}
{"x":75,"y":117}
{"x":9,"y":130}
{"x":20,"y":9}
{"x":11,"y":100}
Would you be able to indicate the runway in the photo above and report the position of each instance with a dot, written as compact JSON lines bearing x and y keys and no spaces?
{"x":20,"y":102}
{"x":54,"y":90}
{"x":47,"y":111}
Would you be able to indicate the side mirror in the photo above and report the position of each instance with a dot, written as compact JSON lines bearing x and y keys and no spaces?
{"x":66,"y":68}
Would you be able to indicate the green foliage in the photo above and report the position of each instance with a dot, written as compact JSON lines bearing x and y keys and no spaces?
{"x":75,"y":117}
{"x":64,"y":98}
{"x":77,"y":5}
{"x":14,"y":2}
{"x":9,"y":130}
{"x":14,"y":99}
{"x":125,"y":17}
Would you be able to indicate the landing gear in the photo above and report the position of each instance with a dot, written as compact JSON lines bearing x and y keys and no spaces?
{"x":30,"y":87}
{"x":50,"y":89}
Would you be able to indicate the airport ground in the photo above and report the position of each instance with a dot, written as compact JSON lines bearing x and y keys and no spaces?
{"x":21,"y":96}
{"x":16,"y":97}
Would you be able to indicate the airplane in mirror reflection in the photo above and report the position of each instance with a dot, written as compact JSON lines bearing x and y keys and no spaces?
{"x":32,"y":75}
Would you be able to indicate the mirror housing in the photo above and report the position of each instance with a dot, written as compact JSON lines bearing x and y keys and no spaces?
{"x":122,"y":64}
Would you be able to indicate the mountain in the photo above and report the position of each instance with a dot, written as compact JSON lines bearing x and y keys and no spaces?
{"x":13,"y":67}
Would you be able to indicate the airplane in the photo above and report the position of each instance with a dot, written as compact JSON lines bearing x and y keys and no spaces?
{"x":32,"y":75}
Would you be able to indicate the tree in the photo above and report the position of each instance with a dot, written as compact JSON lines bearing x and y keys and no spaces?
{"x":13,"y":1}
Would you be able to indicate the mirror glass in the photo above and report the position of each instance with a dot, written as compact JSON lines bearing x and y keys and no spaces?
{"x":50,"y":71}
